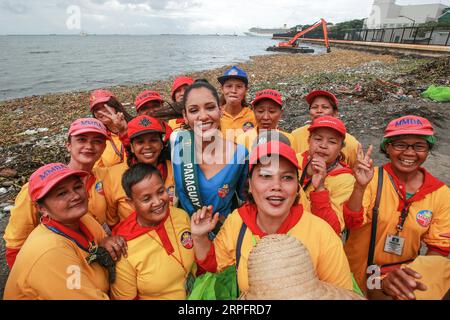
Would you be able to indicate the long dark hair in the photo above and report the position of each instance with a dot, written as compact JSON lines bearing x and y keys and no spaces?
{"x":199,"y":83}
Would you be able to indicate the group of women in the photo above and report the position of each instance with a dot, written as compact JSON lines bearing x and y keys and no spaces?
{"x":144,"y":207}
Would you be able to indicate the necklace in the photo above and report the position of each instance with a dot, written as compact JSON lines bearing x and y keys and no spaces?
{"x":178,"y":260}
{"x":333,"y":165}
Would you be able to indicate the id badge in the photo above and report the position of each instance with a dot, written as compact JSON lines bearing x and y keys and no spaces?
{"x":394,"y":245}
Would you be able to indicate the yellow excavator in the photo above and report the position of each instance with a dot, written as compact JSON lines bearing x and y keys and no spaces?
{"x":292,"y":45}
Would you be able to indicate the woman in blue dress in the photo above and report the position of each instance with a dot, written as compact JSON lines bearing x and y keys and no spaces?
{"x":208,"y":170}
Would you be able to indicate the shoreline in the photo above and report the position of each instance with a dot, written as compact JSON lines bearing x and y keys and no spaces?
{"x":372,"y":89}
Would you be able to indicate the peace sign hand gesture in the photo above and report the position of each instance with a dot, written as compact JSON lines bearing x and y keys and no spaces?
{"x":117,"y":119}
{"x":363,"y":169}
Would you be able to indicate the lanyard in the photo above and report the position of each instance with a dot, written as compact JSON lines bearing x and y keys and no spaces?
{"x":179,"y":261}
{"x":92,"y":245}
{"x":119,"y":153}
{"x":405,"y":211}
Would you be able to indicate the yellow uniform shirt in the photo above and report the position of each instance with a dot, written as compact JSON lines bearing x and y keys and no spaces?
{"x":114,"y":153}
{"x":435,"y":271}
{"x":149,"y":272}
{"x":175,"y":124}
{"x":426,"y":220}
{"x":49,"y":264}
{"x":350,"y":150}
{"x":232,"y":127}
{"x":24,"y":215}
{"x":248,"y":138}
{"x":323,"y":244}
{"x":117,"y":205}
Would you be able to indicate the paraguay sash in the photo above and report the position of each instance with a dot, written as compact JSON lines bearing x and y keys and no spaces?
{"x":188,"y":167}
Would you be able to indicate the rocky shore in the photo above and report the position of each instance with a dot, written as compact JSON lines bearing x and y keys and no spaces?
{"x":373,"y":89}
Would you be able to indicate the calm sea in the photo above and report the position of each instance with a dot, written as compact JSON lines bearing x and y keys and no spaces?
{"x":34,"y":65}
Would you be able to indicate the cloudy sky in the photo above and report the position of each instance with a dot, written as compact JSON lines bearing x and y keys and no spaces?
{"x":173,"y":16}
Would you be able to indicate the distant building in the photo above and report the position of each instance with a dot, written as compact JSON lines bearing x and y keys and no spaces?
{"x":445,"y":16}
{"x":387,"y":14}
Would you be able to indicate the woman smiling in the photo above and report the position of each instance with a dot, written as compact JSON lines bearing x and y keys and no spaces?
{"x":208,"y":169}
{"x":273,"y":208}
{"x":147,"y":137}
{"x":394,"y":208}
{"x":59,"y":258}
{"x":160,"y":255}
{"x":86,"y":144}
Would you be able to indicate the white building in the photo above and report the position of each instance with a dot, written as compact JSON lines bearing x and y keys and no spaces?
{"x":387,"y":14}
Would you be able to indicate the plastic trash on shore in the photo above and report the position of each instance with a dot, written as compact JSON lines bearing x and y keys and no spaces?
{"x":440,"y":94}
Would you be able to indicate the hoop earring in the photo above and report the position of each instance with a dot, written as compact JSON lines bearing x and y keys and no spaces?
{"x":44,"y":219}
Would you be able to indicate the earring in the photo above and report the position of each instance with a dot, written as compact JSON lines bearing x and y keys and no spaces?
{"x":44,"y":219}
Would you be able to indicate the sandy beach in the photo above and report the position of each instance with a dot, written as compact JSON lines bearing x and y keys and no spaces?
{"x":373,"y":89}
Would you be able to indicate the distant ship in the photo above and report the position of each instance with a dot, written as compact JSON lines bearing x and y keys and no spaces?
{"x":263,"y":32}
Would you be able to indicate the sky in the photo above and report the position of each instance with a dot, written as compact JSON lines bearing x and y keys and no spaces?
{"x":174,"y":16}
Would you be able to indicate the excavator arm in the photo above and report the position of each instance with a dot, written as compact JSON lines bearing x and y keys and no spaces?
{"x":293,"y":42}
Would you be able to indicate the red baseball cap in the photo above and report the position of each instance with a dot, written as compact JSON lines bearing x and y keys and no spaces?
{"x":88,"y":125}
{"x":273,"y":95}
{"x":178,"y":83}
{"x":271,"y":148}
{"x":142,"y":125}
{"x":328,"y":122}
{"x":46,"y":177}
{"x":322,"y":93}
{"x":409,"y":125}
{"x":145,"y":97}
{"x":99,"y":96}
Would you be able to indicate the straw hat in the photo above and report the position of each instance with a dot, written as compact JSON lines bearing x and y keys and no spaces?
{"x":280,"y":268}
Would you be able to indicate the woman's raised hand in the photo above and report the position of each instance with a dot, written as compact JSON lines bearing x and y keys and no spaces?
{"x":319,"y":173}
{"x":117,"y":119}
{"x":203,"y":221}
{"x":363,"y":169}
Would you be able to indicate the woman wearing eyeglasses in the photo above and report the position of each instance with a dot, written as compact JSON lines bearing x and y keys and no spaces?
{"x":412,"y":207}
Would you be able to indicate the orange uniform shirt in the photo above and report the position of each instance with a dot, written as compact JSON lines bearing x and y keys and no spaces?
{"x":150,"y":272}
{"x":323,"y":244}
{"x":248,"y":138}
{"x":435,"y":271}
{"x":52,"y":267}
{"x":117,"y":205}
{"x":25,"y":217}
{"x":350,"y":150}
{"x":426,"y":220}
{"x":232,"y":127}
{"x":114,"y":153}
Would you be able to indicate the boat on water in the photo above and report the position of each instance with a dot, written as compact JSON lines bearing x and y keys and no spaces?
{"x":266,"y":32}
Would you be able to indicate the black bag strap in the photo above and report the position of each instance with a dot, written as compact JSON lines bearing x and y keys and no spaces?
{"x":238,"y":252}
{"x":373,"y":234}
{"x":239,"y":244}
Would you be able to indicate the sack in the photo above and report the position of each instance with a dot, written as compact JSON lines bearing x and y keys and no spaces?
{"x":441,"y":94}
{"x":216,"y":286}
